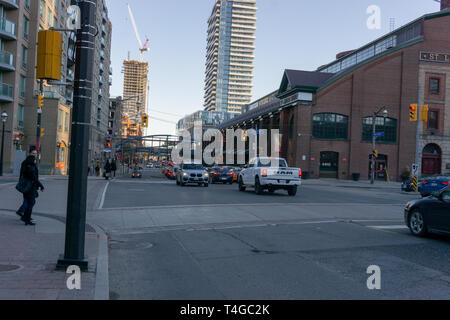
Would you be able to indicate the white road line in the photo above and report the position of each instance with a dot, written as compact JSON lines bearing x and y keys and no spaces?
{"x":389,"y":227}
{"x":103,"y":196}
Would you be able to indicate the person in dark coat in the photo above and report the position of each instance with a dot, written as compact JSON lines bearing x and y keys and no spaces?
{"x":107,"y":169}
{"x":114,"y":168}
{"x":33,"y":153}
{"x":31,"y":173}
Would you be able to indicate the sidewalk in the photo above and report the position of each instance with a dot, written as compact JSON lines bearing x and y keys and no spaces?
{"x":363,"y":184}
{"x":28,"y":256}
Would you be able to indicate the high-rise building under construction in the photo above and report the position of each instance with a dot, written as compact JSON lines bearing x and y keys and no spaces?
{"x":230,"y":55}
{"x":134,"y":96}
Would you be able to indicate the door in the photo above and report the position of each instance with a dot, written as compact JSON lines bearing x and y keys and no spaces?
{"x":329,"y":164}
{"x":380,"y":167}
{"x":431,"y":159}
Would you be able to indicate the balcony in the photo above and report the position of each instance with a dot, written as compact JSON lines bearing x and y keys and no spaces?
{"x":6,"y":61}
{"x":7,"y":29}
{"x":6,"y":93}
{"x":10,"y":4}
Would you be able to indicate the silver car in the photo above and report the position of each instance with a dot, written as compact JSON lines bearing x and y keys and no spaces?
{"x":192,"y":173}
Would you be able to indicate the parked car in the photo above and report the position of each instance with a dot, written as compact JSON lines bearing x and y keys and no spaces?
{"x":192,"y":173}
{"x":430,"y":214}
{"x":270,"y":174}
{"x":221,"y":175}
{"x":428,"y":185}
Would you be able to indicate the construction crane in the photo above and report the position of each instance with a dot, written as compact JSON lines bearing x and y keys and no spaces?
{"x":142,"y":47}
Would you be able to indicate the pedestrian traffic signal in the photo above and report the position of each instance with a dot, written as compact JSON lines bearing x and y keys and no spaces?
{"x":424,"y":113}
{"x":40,"y":101}
{"x":413,"y":108}
{"x":144,"y":121}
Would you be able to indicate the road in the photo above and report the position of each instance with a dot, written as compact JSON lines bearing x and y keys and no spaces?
{"x":171,"y":242}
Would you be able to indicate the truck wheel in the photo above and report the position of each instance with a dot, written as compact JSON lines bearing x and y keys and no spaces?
{"x":258,"y":188}
{"x":241,"y":185}
{"x":292,"y":191}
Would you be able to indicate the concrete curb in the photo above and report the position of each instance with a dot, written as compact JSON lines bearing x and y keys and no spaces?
{"x":102,"y":273}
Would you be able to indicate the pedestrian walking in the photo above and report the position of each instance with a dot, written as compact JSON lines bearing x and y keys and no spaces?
{"x":97,"y":170}
{"x":30,"y":182}
{"x":113,"y":168}
{"x":33,"y":152}
{"x":107,"y":169}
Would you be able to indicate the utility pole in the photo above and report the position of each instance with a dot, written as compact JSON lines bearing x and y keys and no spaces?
{"x":81,"y":121}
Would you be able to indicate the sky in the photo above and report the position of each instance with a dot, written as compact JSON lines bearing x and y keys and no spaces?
{"x":290,"y":34}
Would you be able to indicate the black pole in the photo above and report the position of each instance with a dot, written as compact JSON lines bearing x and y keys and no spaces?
{"x":1,"y":155}
{"x":79,"y":148}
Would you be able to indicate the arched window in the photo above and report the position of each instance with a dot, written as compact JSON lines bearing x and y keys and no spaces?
{"x":386,"y":126}
{"x":330,"y":126}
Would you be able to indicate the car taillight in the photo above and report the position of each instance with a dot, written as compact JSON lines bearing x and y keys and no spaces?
{"x":264,"y":173}
{"x":300,"y":174}
{"x":424,"y":182}
{"x":230,"y":173}
{"x":446,"y":183}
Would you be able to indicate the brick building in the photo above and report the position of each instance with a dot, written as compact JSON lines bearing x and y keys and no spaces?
{"x":325,"y":116}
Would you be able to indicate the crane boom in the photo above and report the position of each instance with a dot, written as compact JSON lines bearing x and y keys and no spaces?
{"x":135,"y":27}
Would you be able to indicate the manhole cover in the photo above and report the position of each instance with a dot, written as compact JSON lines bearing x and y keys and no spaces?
{"x":9,"y":267}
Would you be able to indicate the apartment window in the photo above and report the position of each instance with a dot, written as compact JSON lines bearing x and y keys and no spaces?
{"x":387,"y":126}
{"x":49,"y":17}
{"x":27,"y":4}
{"x":42,"y":9}
{"x":434,"y":85}
{"x":20,"y":116}
{"x":22,"y":87}
{"x":330,"y":126}
{"x":26,"y":27}
{"x":24,"y":56}
{"x":433,"y":120}
{"x":60,"y":120}
{"x":66,"y":122}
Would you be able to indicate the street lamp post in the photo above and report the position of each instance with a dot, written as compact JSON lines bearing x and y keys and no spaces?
{"x":79,"y":148}
{"x":374,"y":138}
{"x":4,"y":118}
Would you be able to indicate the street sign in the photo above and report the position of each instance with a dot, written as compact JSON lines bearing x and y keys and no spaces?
{"x":378,"y":134}
{"x":415,"y":170}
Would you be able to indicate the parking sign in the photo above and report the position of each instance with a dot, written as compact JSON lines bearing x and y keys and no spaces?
{"x":415,"y":169}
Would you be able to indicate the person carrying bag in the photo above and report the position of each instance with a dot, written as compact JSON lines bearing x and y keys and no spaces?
{"x":28,"y":185}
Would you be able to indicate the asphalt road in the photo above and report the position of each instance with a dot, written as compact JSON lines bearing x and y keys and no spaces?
{"x":299,"y":259}
{"x":151,"y":190}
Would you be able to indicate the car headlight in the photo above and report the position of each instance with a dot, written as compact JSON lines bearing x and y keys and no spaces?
{"x":206,"y":174}
{"x":185,"y":174}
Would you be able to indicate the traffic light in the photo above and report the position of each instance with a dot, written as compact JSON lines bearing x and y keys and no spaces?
{"x":413,"y":112}
{"x":49,"y":55}
{"x":375,"y":153}
{"x":40,"y":101}
{"x":144,"y":121}
{"x":108,"y":143}
{"x":424,"y":113}
{"x":42,"y":132}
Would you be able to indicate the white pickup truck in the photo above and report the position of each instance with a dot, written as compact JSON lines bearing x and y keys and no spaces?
{"x":270,"y":174}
